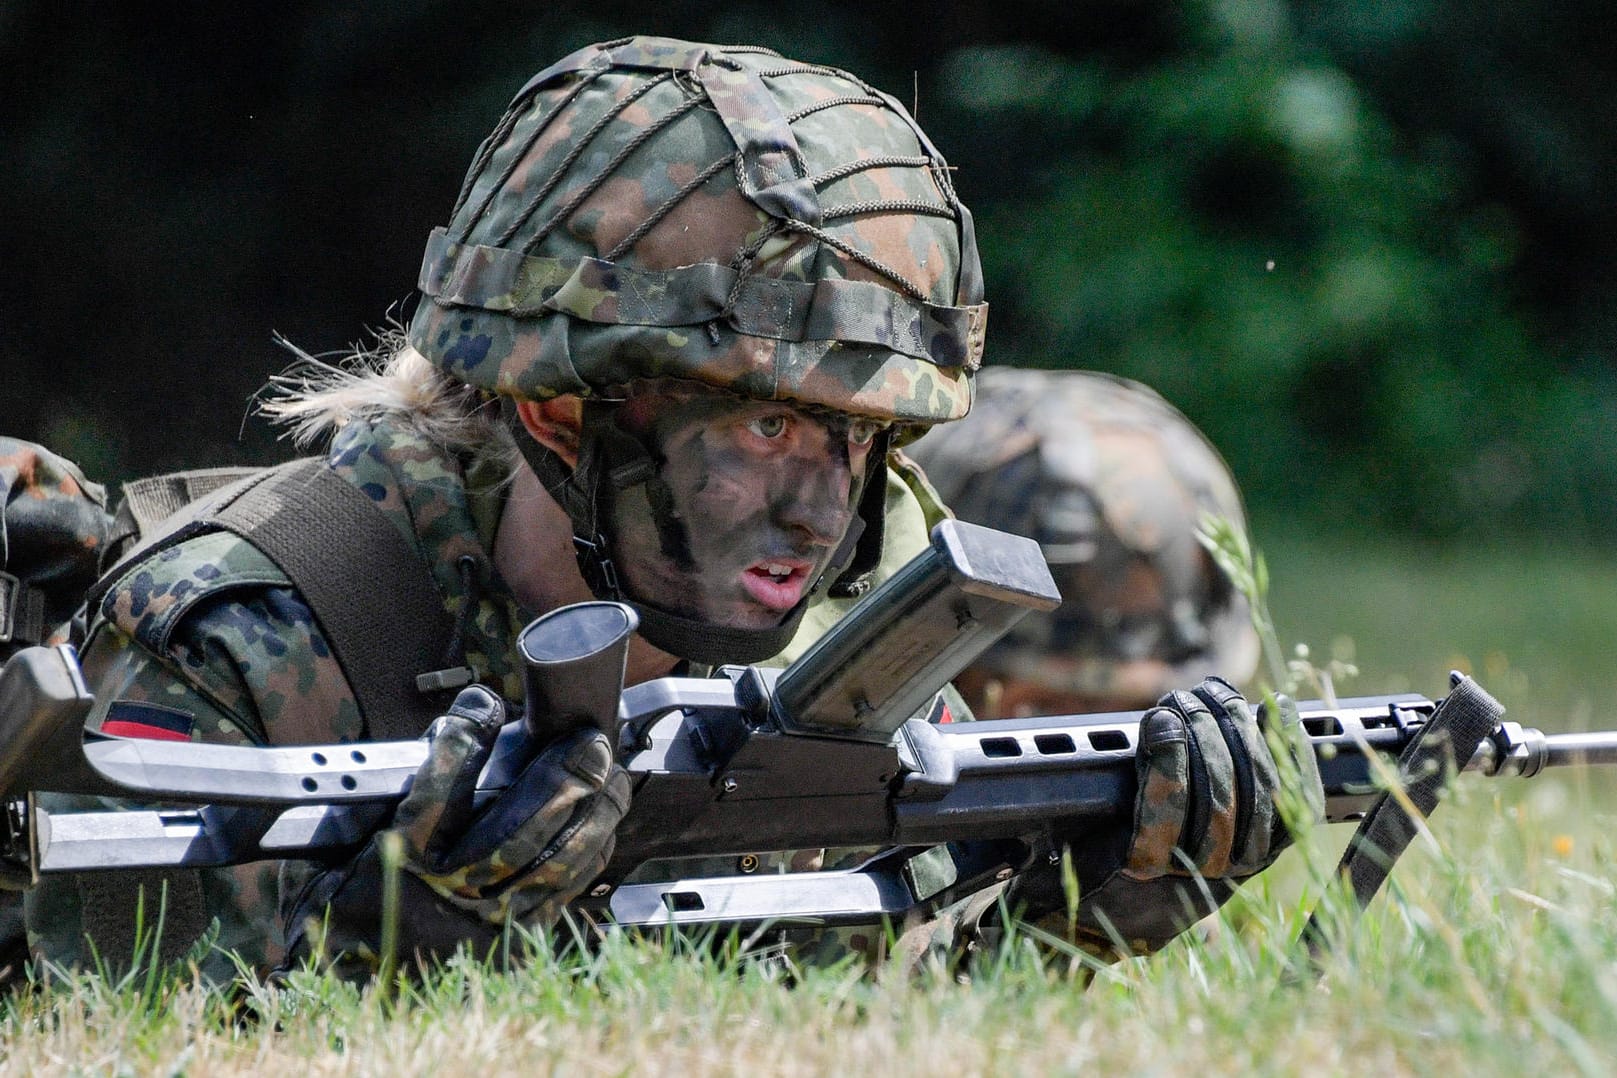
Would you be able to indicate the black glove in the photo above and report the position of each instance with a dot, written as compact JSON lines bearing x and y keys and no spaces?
{"x":467,"y":873}
{"x":1204,"y":821}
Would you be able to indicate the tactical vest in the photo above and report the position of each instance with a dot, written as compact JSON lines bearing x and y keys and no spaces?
{"x":372,"y":594}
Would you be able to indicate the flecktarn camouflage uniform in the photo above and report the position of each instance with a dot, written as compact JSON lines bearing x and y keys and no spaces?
{"x":210,"y":642}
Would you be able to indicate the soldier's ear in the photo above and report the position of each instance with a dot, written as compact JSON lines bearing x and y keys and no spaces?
{"x":555,"y":424}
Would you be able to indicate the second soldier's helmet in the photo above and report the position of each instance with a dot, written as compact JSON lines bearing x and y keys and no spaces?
{"x":1113,"y":482}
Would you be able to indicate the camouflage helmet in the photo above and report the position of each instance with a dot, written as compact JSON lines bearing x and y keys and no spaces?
{"x":1113,"y":482}
{"x":54,"y":528}
{"x":653,"y":208}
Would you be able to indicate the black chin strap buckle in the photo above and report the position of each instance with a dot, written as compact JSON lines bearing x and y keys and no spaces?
{"x":596,"y":565}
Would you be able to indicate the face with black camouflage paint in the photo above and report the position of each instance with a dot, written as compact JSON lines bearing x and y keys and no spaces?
{"x":749,"y":501}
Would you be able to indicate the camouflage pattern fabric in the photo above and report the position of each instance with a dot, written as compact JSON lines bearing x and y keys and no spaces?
{"x":1113,"y":482}
{"x":1205,"y":820}
{"x":210,"y":629}
{"x":53,"y":529}
{"x":516,"y":865}
{"x":659,"y":208}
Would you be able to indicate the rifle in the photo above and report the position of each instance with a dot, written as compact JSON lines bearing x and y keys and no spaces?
{"x":834,"y":751}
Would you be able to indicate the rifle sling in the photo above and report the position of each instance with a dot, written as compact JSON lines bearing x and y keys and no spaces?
{"x":1442,"y":745}
{"x":370,"y":590}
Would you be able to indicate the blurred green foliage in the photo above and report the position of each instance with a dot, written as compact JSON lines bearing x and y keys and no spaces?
{"x":1366,"y":247}
{"x":1237,"y":225}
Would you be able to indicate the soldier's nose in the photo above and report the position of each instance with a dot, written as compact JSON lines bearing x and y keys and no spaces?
{"x":814,"y":502}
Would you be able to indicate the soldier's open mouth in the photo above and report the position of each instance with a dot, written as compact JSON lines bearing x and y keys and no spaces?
{"x":777,"y":585}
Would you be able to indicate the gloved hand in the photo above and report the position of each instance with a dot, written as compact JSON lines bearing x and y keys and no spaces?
{"x":467,"y":872}
{"x":1204,"y":821}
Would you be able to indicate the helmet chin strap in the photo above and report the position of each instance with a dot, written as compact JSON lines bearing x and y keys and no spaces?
{"x":610,"y":460}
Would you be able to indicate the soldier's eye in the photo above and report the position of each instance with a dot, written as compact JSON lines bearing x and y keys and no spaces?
{"x":769,"y":426}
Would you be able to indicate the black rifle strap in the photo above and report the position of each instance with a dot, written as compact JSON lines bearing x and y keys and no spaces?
{"x":368,"y":586}
{"x":1443,"y":744}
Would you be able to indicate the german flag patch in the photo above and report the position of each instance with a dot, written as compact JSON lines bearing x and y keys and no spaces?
{"x":130,"y":718}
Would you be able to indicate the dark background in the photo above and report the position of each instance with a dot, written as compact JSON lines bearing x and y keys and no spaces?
{"x":1367,"y":250}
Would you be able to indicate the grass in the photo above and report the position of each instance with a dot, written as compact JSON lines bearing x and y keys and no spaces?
{"x":1535,"y":625}
{"x":1494,"y":951}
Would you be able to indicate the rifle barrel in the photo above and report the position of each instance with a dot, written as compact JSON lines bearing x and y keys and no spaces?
{"x":1594,"y":747}
{"x":1516,"y":750}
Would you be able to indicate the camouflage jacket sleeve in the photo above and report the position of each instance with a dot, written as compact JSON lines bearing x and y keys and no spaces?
{"x":213,"y":626}
{"x":207,"y":641}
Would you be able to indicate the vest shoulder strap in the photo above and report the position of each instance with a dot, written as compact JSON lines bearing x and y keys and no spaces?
{"x":372,"y":594}
{"x":148,"y":502}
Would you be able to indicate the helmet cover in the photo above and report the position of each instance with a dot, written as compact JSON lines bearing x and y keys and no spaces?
{"x":653,"y":208}
{"x":1113,"y":482}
